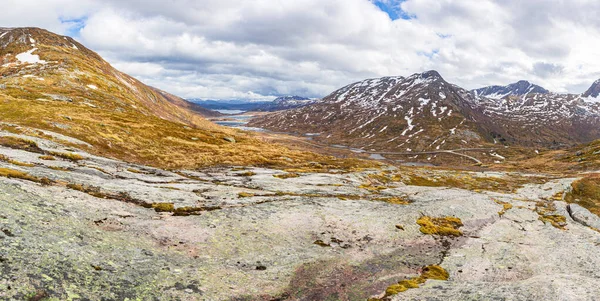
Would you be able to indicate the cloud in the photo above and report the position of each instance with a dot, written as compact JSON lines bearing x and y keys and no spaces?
{"x":545,"y":70}
{"x":265,"y":48}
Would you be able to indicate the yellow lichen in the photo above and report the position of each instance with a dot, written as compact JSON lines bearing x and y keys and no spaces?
{"x":443,"y":226}
{"x":435,"y":272}
{"x":505,"y":207}
{"x":546,"y":212}
{"x":163,"y":207}
{"x":393,"y":200}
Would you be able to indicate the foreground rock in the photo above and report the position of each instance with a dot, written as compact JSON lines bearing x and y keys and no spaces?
{"x":105,"y":229}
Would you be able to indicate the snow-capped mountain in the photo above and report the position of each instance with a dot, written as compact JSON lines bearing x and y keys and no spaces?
{"x":593,"y":91}
{"x":519,"y":88}
{"x":423,"y":112}
{"x":286,"y":103}
{"x":291,"y":99}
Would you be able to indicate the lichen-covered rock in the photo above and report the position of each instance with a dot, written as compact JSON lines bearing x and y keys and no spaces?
{"x":107,"y":229}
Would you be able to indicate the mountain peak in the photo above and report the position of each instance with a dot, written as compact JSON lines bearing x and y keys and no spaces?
{"x":520,"y":88}
{"x":594,"y":90}
{"x":431,"y":73}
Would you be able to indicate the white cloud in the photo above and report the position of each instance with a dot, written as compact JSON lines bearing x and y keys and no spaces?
{"x":263,"y":48}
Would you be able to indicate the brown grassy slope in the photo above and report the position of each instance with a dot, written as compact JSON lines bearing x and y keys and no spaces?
{"x":78,"y":94}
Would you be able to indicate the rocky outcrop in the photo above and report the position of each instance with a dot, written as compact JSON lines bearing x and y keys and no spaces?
{"x":99,"y":228}
{"x":583,"y":216}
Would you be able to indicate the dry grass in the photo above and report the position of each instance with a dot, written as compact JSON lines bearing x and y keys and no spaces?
{"x":15,"y":162}
{"x":68,"y":156}
{"x":287,"y":175}
{"x":586,"y":192}
{"x":149,"y":140}
{"x":16,"y":174}
{"x":20,"y":143}
{"x":127,"y":120}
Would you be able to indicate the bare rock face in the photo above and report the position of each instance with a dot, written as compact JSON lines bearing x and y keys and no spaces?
{"x":87,"y":227}
{"x":584,"y":216}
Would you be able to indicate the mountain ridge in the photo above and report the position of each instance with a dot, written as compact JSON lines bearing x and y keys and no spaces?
{"x":519,"y":88}
{"x":423,"y":112}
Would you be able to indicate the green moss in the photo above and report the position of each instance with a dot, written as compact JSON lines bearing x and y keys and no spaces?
{"x":443,"y":226}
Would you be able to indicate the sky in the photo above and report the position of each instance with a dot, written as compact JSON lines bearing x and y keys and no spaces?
{"x":261,"y":49}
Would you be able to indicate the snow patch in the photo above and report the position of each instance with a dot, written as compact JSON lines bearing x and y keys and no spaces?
{"x":93,"y":87}
{"x":29,"y":57}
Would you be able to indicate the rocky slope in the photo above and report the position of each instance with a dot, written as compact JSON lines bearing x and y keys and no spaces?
{"x":81,"y":226}
{"x":423,"y":112}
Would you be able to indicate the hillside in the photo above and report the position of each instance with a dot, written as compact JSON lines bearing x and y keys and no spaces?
{"x":424,"y":113}
{"x":52,"y":82}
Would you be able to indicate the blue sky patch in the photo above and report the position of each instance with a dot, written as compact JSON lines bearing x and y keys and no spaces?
{"x":74,"y":26}
{"x":393,"y":9}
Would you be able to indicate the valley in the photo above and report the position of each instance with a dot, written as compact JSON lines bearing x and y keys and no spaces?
{"x":397,"y":188}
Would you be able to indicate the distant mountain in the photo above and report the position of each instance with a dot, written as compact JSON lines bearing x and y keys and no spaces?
{"x":519,"y":88}
{"x":241,"y":105}
{"x":285,"y":103}
{"x":423,"y":112}
{"x":280,"y":103}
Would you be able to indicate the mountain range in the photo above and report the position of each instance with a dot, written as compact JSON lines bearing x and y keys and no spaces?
{"x":278,"y":104}
{"x":423,"y":112}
